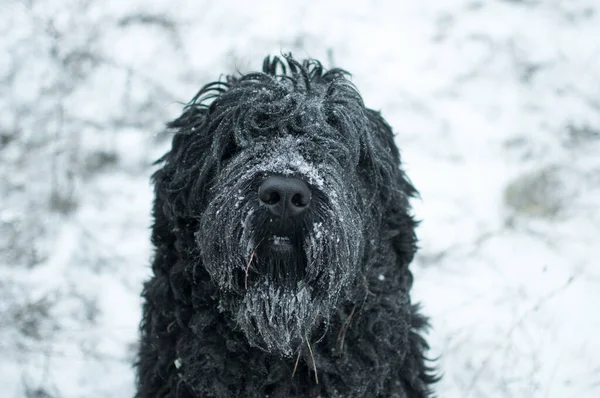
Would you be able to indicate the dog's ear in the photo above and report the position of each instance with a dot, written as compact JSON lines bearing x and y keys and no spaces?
{"x":196,"y":151}
{"x":187,"y":167}
{"x":179,"y":184}
{"x":395,"y":189}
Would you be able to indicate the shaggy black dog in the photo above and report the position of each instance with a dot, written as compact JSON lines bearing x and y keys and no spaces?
{"x":283,"y":239}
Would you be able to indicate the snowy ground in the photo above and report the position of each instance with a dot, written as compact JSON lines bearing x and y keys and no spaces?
{"x":497,"y":109}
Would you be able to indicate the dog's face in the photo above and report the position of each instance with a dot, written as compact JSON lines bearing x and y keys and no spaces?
{"x":288,"y":196}
{"x":284,"y":232}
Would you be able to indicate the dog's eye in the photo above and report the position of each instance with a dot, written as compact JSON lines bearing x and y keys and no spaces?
{"x":230,"y":150}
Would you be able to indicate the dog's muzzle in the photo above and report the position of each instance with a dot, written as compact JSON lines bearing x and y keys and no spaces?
{"x":285,"y":199}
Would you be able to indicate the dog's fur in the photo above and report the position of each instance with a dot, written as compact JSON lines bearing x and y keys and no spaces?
{"x":225,"y":315}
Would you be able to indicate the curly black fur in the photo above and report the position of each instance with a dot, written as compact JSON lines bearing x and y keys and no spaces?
{"x":226,"y":317}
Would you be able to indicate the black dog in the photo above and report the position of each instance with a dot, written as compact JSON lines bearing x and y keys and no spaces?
{"x":283,"y":239}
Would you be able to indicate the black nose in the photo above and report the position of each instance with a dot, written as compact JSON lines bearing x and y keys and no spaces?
{"x":284,"y":196}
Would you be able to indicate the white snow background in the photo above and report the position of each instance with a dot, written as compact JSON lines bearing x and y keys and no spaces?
{"x":497,"y":111}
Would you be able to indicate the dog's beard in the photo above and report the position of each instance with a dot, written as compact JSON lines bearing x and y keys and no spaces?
{"x":279,"y":296}
{"x":277,"y":318}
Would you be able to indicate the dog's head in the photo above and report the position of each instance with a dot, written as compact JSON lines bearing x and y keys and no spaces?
{"x":286,"y":187}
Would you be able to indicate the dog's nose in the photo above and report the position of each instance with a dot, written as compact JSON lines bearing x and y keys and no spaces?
{"x":284,"y":196}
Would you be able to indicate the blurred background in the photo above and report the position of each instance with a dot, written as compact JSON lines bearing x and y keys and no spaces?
{"x":496,"y":107}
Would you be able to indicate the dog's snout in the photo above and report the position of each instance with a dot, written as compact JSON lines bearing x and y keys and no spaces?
{"x":284,"y":196}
